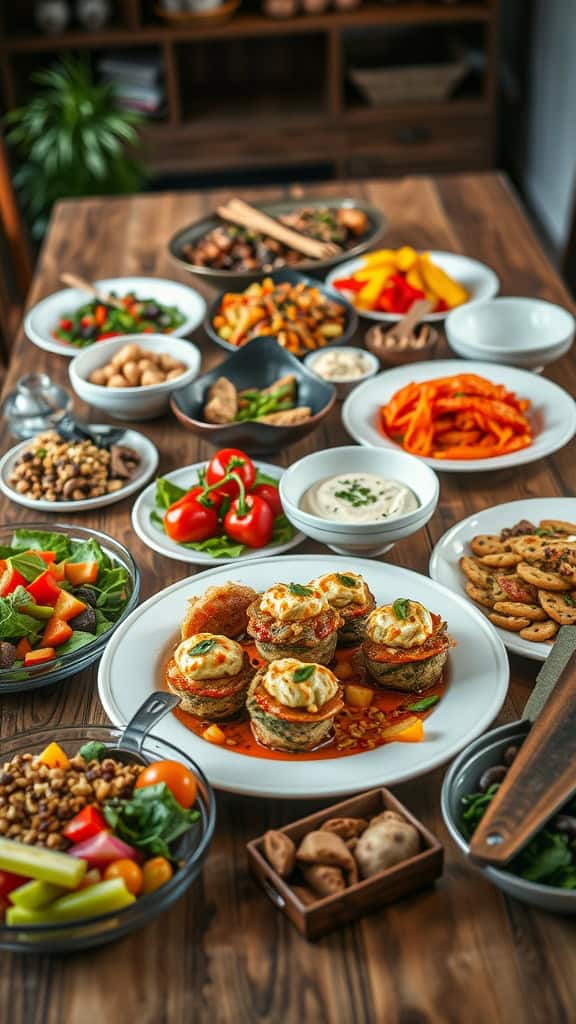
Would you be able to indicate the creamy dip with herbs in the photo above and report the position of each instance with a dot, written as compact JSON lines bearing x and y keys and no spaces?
{"x":358,"y":498}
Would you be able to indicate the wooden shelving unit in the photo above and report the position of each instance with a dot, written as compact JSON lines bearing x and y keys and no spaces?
{"x":307,"y":116}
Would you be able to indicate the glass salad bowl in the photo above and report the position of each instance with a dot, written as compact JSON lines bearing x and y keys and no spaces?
{"x":190,"y":850}
{"x":74,"y":658}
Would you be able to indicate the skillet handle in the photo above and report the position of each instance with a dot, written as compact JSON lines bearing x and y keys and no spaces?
{"x":154,"y":708}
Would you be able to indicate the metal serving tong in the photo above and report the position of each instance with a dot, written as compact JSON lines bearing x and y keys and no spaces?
{"x":542,"y":776}
{"x":154,"y":708}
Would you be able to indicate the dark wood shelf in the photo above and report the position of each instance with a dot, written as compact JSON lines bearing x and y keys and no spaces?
{"x":256,"y":126}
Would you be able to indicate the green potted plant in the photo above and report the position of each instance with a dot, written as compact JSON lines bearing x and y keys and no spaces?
{"x":72,"y":140}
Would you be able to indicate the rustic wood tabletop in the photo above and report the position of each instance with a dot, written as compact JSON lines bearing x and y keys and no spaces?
{"x":457,"y":952}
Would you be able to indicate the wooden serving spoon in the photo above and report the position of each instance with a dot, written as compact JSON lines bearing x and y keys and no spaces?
{"x":405,"y":328}
{"x":542,"y":776}
{"x":236,"y":211}
{"x":73,"y":281}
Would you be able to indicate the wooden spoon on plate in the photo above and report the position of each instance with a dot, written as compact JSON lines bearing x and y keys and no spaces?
{"x":73,"y":281}
{"x":236,"y":211}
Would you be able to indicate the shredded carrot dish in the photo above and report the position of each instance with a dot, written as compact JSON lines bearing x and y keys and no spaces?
{"x":460,"y":417}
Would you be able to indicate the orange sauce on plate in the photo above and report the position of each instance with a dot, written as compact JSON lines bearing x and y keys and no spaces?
{"x":391,"y":704}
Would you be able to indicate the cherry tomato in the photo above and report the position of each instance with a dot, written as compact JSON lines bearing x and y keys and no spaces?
{"x":129,"y":871}
{"x":157,"y":872}
{"x":254,"y":526}
{"x":190,"y":521}
{"x":231,"y":459}
{"x":66,"y":325}
{"x":181,"y":782}
{"x":270,"y":495}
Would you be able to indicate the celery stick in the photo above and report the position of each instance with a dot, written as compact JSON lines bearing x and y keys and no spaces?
{"x":102,"y":898}
{"x":35,"y":894}
{"x":36,"y":862}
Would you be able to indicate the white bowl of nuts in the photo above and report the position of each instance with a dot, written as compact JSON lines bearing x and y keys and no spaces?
{"x":133,"y":377}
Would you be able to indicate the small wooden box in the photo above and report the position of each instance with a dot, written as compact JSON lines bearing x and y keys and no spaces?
{"x":330,"y":912}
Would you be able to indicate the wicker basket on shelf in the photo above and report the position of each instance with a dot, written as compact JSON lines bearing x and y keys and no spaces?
{"x":415,"y":83}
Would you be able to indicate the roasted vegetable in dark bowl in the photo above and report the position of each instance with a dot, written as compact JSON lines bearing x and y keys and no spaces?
{"x":63,"y":591}
{"x":544,"y":873}
{"x":258,"y":366}
{"x":226,"y":256}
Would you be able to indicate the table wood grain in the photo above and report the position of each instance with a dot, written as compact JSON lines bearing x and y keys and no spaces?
{"x":223,"y":955}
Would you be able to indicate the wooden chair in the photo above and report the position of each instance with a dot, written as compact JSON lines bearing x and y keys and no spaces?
{"x":15,"y":258}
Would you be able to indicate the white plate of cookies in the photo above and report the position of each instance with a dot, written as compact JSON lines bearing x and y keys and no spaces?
{"x":517,"y":562}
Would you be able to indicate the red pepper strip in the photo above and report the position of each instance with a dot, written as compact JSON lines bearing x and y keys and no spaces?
{"x":86,"y":824}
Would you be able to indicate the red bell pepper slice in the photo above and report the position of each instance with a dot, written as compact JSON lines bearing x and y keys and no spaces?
{"x":11,"y":579}
{"x":86,"y":824}
{"x":10,"y":881}
{"x":44,"y":588}
{"x":348,"y":284}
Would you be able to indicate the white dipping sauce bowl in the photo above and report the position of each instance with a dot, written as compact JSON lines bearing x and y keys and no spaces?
{"x":136,"y":403}
{"x":529,"y":333}
{"x":345,"y":385}
{"x":367,"y":538}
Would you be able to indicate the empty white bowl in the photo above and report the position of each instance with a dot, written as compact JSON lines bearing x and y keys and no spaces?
{"x":137,"y":403}
{"x":529,"y":333}
{"x":344,"y":385}
{"x":367,"y":538}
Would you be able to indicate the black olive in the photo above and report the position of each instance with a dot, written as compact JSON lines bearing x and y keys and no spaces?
{"x":491,"y":776}
{"x":151,"y":311}
{"x":87,"y":595}
{"x":86,"y":621}
{"x":87,"y":331}
{"x":7,"y":654}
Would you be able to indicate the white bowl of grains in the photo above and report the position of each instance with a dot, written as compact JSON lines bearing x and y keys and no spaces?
{"x":133,"y":377}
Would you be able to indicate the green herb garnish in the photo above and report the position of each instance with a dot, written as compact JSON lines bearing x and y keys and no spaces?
{"x":151,"y":819}
{"x":422,"y":705}
{"x":303,"y":673}
{"x":356,"y":494}
{"x":93,"y":751}
{"x":569,"y":600}
{"x":299,"y":591}
{"x":203,"y":647}
{"x":346,"y":581}
{"x":400,"y":607}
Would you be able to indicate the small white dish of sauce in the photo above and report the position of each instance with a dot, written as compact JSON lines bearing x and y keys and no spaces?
{"x":344,"y":366}
{"x":359,"y":500}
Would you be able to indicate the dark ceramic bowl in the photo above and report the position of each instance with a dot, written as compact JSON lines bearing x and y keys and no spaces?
{"x":293,"y":277}
{"x":226,"y":279}
{"x":257,"y":365}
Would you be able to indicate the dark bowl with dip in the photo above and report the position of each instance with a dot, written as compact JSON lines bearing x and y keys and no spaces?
{"x":257,"y":365}
{"x":359,"y":536}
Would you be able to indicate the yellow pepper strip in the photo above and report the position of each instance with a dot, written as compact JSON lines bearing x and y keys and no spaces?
{"x":380,"y":256}
{"x":367,"y":297}
{"x":368,"y":274}
{"x":443,"y":285}
{"x":415,"y":278}
{"x":406,"y":258}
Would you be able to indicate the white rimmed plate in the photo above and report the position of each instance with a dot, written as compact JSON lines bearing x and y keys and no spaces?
{"x":43,"y":318}
{"x":479,"y":281}
{"x":455,"y":543}
{"x":133,"y":439}
{"x":553,"y":410}
{"x":478,"y":680}
{"x":160,"y":542}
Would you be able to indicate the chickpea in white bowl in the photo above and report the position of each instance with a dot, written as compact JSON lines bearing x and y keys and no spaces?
{"x":133,"y":377}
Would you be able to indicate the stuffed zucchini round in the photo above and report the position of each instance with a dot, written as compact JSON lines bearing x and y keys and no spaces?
{"x":211,"y":674}
{"x":348,"y":593}
{"x":406,"y":646}
{"x":294,"y":621}
{"x":292,"y":704}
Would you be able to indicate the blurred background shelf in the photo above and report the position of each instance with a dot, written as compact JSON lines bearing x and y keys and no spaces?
{"x":258,"y":91}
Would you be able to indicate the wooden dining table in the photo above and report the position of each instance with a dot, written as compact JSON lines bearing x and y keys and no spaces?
{"x":457,"y":952}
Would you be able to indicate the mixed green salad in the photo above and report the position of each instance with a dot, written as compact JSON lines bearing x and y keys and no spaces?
{"x":56,"y":596}
{"x":96,"y":321}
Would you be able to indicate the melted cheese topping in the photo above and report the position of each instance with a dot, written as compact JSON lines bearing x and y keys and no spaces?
{"x":342,"y":589}
{"x":292,"y":602}
{"x":384,"y":626}
{"x":281,"y":682}
{"x":217,"y":657}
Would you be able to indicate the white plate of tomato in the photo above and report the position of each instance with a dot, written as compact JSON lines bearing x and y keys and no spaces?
{"x":217,"y":512}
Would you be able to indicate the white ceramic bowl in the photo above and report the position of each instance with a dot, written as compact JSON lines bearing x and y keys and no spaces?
{"x":139,"y":403}
{"x":345,"y":386}
{"x":43,"y":318}
{"x":529,"y":333}
{"x":370,"y":538}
